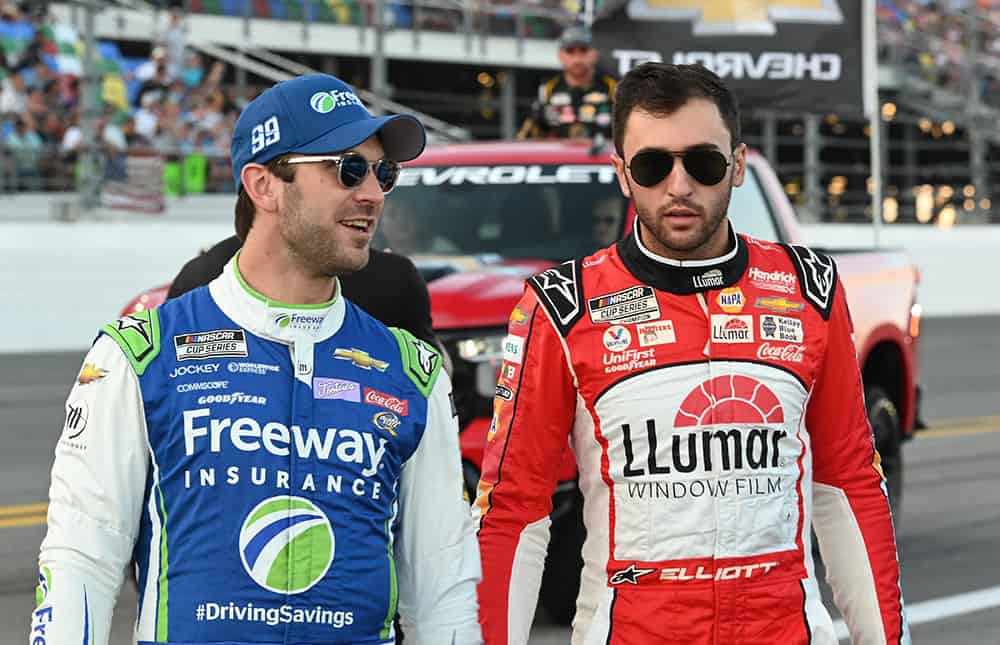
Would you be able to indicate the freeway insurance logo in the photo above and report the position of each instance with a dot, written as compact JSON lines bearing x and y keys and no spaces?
{"x":276,"y":529}
{"x":737,"y":17}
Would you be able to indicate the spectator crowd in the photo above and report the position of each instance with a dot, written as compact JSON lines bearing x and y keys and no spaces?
{"x":932,"y":39}
{"x":174,"y":103}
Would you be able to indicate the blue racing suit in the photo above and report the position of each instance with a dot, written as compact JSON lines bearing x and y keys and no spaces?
{"x":277,"y":474}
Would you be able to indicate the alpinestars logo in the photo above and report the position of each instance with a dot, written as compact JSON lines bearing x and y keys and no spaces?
{"x":819,"y":276}
{"x":630,"y":574}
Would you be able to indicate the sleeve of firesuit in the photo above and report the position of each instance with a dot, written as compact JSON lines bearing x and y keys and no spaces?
{"x":437,"y":552}
{"x":534,"y":410}
{"x":851,"y":511}
{"x":95,"y":501}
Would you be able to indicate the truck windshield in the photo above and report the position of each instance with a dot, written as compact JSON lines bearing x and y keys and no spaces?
{"x":548,"y":212}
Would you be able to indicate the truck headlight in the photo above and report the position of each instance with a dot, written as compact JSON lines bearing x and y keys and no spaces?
{"x":486,"y":354}
{"x":481,"y":348}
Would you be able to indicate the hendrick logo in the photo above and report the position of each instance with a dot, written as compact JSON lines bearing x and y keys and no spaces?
{"x":211,"y":344}
{"x":781,"y":281}
{"x":708,"y":280}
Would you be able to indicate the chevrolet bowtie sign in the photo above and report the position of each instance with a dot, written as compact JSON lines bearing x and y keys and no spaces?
{"x":786,"y":54}
{"x":738,"y":17}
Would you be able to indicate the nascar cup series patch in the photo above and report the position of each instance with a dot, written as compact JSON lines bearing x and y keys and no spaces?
{"x":275,"y":529}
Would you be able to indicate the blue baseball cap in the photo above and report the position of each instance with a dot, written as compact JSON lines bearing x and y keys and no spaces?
{"x":317,"y":114}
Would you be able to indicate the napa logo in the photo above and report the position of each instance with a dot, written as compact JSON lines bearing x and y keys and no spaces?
{"x":286,"y":544}
{"x":298,"y":321}
{"x":326,"y":102}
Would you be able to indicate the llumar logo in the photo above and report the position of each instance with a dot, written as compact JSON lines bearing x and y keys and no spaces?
{"x":737,"y":17}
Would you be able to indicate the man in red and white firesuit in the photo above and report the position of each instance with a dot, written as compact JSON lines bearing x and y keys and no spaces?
{"x":708,"y":385}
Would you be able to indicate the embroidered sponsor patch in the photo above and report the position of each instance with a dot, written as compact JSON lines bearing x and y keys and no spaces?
{"x":387,"y":421}
{"x":632,"y":305}
{"x":781,"y":281}
{"x":513,"y":349}
{"x":781,"y":328}
{"x":335,"y":388}
{"x":387,"y":401}
{"x":559,"y":290}
{"x":211,"y":344}
{"x":731,"y":300}
{"x":732,"y":329}
{"x":779,"y":304}
{"x":617,"y":338}
{"x":90,"y":373}
{"x":660,"y":332}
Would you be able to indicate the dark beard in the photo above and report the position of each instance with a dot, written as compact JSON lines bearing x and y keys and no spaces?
{"x":713,"y":219}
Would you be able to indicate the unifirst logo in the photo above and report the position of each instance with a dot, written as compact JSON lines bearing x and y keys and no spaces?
{"x":248,"y":435}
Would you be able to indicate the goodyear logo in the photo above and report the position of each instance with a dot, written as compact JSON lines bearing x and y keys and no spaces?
{"x":737,"y":17}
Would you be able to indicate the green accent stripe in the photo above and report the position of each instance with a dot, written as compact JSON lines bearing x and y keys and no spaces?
{"x":163,"y":590}
{"x":282,"y":504}
{"x":275,"y":303}
{"x":139,"y":339}
{"x":412,"y":365}
{"x":40,"y":592}
{"x":393,"y":585}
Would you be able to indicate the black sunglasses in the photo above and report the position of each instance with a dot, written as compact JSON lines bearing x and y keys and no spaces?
{"x":704,"y":165}
{"x":352,"y":168}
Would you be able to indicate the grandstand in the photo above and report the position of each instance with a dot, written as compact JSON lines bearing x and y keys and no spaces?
{"x":172,"y":83}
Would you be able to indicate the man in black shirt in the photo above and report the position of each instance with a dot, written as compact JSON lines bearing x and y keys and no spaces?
{"x":576,"y":103}
{"x":388,"y":287}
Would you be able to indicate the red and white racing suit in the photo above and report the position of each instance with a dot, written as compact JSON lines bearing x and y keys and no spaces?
{"x":715,"y":409}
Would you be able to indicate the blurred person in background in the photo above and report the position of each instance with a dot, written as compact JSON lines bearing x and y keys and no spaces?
{"x":404,"y":233}
{"x":25,"y":146}
{"x":576,"y":103}
{"x":606,"y":218}
{"x":168,"y":394}
{"x":710,"y":435}
{"x":13,"y":95}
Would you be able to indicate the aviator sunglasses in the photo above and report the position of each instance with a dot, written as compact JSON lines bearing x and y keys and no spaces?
{"x":704,"y":165}
{"x":352,"y":168}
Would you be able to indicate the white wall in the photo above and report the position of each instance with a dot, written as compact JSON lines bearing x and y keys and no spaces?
{"x":59,"y":281}
{"x":958,"y":266}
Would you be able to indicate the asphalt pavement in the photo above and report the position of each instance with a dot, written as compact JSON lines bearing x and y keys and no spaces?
{"x":948,"y":532}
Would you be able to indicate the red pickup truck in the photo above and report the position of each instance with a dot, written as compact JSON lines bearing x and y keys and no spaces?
{"x":479,"y":218}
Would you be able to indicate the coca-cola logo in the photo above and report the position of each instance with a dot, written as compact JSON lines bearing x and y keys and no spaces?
{"x":387,"y":401}
{"x":786,"y":353}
